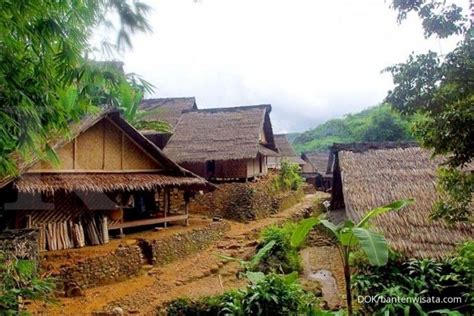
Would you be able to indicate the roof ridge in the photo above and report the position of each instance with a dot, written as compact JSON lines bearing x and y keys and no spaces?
{"x":365,"y":146}
{"x":268,"y":107}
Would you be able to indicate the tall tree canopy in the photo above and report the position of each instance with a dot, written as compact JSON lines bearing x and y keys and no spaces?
{"x":46,"y":79}
{"x":441,"y":88}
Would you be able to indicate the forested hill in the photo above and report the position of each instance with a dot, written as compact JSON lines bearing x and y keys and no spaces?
{"x":378,"y":123}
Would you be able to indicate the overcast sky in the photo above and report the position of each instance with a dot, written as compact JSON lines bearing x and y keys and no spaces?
{"x":311,"y":60}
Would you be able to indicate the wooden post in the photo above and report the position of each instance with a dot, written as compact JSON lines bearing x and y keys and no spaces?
{"x":186,"y":210}
{"x":167,"y":205}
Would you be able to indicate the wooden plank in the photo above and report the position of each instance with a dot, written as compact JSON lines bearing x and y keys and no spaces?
{"x":122,"y":144}
{"x":103,"y":144}
{"x":150,"y":221}
{"x":74,"y":153}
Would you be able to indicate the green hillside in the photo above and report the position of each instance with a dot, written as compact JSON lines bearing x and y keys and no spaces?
{"x":378,"y":123}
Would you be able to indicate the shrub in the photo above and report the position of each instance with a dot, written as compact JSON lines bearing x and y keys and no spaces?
{"x":19,"y":279}
{"x":282,"y":258}
{"x":416,"y":278}
{"x":273,"y":295}
{"x":288,"y":178}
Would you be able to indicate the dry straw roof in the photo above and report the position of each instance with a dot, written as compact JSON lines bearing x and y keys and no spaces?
{"x":318,"y":160}
{"x":221,"y":134}
{"x":171,"y":176}
{"x":286,"y":151}
{"x":375,"y":177}
{"x":97,"y":182}
{"x":168,"y":110}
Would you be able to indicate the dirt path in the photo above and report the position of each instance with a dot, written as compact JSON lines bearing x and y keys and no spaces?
{"x":200,"y":274}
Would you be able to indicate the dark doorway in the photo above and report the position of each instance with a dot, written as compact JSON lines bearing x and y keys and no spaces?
{"x":210,"y":169}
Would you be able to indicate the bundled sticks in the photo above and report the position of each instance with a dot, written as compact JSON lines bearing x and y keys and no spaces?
{"x":68,"y":234}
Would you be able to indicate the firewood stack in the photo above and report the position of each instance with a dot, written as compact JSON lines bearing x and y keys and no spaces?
{"x":87,"y":231}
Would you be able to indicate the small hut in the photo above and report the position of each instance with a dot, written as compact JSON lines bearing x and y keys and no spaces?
{"x":167,"y":110}
{"x":368,"y":175}
{"x":224,"y":143}
{"x":285,"y":152}
{"x":109,"y":176}
{"x":315,"y":170}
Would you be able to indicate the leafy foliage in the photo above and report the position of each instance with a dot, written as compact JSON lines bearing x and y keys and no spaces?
{"x":272,"y":295}
{"x":46,"y":79}
{"x":379,"y":123}
{"x":289,"y":177}
{"x":256,"y":259}
{"x":455,"y":189}
{"x":441,"y":90}
{"x":416,"y":279}
{"x":19,"y":279}
{"x":283,"y":258}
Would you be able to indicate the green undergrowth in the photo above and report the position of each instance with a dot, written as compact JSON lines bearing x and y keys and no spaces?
{"x":272,"y":295}
{"x":282,"y":258}
{"x":418,"y":279}
{"x":19,"y":280}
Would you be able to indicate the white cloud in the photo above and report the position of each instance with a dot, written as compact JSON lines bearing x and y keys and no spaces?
{"x":312,"y":60}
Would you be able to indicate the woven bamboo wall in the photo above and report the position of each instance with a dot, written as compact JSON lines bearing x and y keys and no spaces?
{"x":102,"y":147}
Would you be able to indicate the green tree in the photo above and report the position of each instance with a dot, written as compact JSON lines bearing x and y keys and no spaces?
{"x":385,"y":126}
{"x":441,"y":89}
{"x":46,"y":79}
{"x":130,"y":94}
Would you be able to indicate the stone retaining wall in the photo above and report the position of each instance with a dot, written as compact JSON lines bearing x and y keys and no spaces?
{"x":244,"y":201}
{"x":182,"y":244}
{"x":127,"y":261}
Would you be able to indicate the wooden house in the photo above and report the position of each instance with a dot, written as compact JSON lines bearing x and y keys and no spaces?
{"x":224,"y":143}
{"x":109,"y":176}
{"x":285,"y":152}
{"x":369,"y":175}
{"x":315,"y":170}
{"x":167,"y":110}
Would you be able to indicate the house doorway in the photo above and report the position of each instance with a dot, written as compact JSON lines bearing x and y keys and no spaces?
{"x":210,"y":169}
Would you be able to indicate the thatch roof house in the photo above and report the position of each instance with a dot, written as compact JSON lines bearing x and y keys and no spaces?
{"x":285,"y":152}
{"x":224,"y":143}
{"x":315,"y":169}
{"x":369,"y":175}
{"x":109,"y":176}
{"x":167,"y":110}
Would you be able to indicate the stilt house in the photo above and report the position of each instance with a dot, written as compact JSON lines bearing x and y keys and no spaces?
{"x":224,"y":143}
{"x":109,"y":176}
{"x":369,"y":175}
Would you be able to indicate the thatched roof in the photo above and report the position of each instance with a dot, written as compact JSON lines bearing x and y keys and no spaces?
{"x":375,"y":177}
{"x":221,"y":134}
{"x":102,"y":182}
{"x":286,"y":151}
{"x":319,"y":160}
{"x":171,"y":169}
{"x":168,"y":110}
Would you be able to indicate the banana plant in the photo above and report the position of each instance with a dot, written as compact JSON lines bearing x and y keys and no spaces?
{"x":349,"y":235}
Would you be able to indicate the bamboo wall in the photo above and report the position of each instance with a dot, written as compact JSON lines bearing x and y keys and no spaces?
{"x":103,"y":147}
